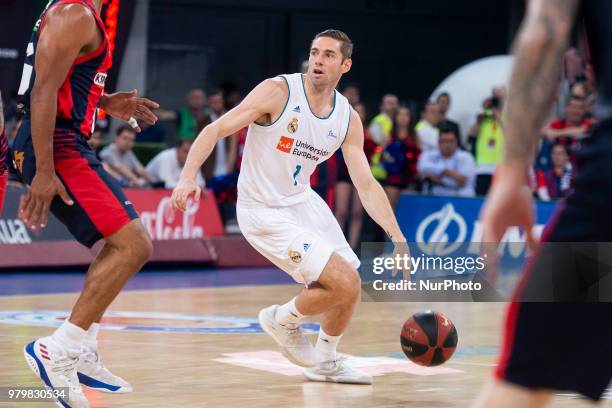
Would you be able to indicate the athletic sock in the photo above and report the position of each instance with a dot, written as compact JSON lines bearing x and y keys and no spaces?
{"x":91,"y":337}
{"x":326,"y":346}
{"x":288,"y":315}
{"x":70,"y":337}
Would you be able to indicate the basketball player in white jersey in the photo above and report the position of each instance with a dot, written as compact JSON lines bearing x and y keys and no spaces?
{"x":296,"y":122}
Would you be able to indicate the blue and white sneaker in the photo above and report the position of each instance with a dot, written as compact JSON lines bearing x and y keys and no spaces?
{"x":57,"y":369}
{"x":93,"y":374}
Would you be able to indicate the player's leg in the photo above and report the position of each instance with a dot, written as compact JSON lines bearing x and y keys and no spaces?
{"x":100,"y":210}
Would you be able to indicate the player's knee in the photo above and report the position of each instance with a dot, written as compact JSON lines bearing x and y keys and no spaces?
{"x":135,"y":243}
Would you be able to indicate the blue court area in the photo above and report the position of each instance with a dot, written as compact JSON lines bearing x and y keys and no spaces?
{"x":48,"y":282}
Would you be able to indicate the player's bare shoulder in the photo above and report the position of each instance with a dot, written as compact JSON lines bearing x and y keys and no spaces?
{"x":271,"y":95}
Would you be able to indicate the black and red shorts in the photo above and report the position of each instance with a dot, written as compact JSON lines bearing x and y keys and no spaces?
{"x":558,"y":331}
{"x":100,"y":206}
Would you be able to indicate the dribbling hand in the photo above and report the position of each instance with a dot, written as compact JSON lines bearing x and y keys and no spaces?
{"x":182,"y":191}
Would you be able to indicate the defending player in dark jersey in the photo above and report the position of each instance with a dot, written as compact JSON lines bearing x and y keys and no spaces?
{"x":62,"y":87}
{"x":567,"y":344}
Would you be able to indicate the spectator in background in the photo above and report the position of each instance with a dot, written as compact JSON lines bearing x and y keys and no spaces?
{"x":444,"y":103}
{"x":220,"y":162}
{"x":569,"y":131}
{"x":346,"y":194}
{"x":123,"y":162}
{"x":448,"y":170}
{"x":94,"y":142}
{"x":169,"y":163}
{"x":382,"y":124}
{"x":192,"y":117}
{"x":351,"y":93}
{"x":400,"y":157}
{"x":557,"y":181}
{"x":486,"y":139}
{"x":426,"y":130}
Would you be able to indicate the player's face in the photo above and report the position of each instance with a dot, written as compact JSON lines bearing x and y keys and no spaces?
{"x":326,"y":63}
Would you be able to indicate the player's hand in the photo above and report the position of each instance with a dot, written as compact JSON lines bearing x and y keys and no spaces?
{"x":126,"y":105}
{"x":401,"y":248}
{"x":182,"y":191}
{"x":34,"y":209}
{"x":509,"y":203}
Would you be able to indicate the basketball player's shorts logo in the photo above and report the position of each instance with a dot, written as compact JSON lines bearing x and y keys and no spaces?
{"x":100,"y":79}
{"x":284,"y":144}
{"x":295,"y":256}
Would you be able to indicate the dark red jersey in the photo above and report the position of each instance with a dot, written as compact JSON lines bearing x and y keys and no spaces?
{"x":80,"y":93}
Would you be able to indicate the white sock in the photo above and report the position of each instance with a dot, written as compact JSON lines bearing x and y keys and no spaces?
{"x":326,"y":346}
{"x":288,"y":314}
{"x":91,"y":336}
{"x":70,"y":337}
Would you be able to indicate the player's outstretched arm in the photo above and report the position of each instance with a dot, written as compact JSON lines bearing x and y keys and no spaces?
{"x":539,"y":48}
{"x":370,"y":191}
{"x":264,"y":103}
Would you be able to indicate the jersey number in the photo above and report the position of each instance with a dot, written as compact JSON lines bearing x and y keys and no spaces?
{"x":26,"y":76}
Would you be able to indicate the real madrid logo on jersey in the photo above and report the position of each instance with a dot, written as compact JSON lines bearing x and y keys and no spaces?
{"x":292,"y":127}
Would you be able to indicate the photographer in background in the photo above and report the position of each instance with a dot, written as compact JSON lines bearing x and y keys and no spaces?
{"x":486,"y":139}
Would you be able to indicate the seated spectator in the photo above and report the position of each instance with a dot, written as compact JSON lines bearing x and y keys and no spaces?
{"x":569,"y":131}
{"x":444,"y":102}
{"x":486,"y":139}
{"x":382,"y":124}
{"x":169,"y":163}
{"x":192,"y":117}
{"x":400,"y":157}
{"x":426,"y":130}
{"x":448,"y":170}
{"x":94,"y":142}
{"x":123,"y":161}
{"x":557,"y":181}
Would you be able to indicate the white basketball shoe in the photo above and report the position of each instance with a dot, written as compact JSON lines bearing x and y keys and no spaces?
{"x":292,"y":341}
{"x":337,"y":371}
{"x":57,"y":369}
{"x":92,"y":373}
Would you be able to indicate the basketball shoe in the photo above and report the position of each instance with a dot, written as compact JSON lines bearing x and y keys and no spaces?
{"x":56,"y":367}
{"x":337,"y":371}
{"x":292,"y":341}
{"x":92,"y":373}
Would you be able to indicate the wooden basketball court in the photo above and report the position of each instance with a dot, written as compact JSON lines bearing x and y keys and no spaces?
{"x":171,"y":363}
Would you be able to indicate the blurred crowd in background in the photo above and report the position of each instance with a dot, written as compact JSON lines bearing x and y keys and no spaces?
{"x":412,"y":146}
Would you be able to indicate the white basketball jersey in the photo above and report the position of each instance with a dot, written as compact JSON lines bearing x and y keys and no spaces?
{"x":279,"y":158}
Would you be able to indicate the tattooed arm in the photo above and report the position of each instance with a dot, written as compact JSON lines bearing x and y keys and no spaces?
{"x":539,"y":50}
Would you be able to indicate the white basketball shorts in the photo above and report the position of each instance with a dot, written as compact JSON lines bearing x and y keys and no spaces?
{"x":298,"y":239}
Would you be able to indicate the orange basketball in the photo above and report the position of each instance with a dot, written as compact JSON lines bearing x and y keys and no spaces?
{"x":429,"y":338}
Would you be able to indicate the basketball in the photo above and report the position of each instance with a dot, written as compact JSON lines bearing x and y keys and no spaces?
{"x":428,"y":338}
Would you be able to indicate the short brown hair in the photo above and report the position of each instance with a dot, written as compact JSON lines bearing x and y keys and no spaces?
{"x":347,"y":45}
